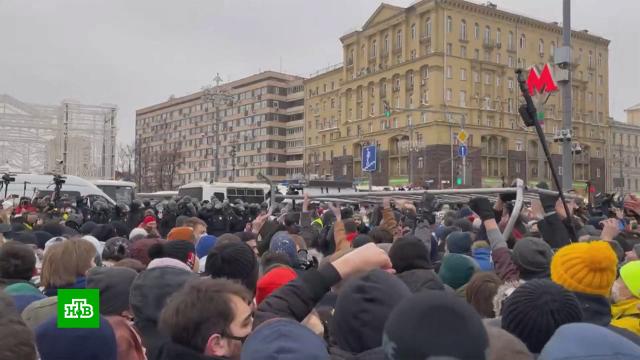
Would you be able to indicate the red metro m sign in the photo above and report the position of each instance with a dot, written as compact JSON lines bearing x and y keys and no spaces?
{"x":541,"y":82}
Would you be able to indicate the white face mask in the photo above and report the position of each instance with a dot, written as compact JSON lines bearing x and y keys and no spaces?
{"x":477,"y":223}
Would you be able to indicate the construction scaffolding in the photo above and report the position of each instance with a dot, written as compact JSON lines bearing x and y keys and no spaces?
{"x":72,"y":138}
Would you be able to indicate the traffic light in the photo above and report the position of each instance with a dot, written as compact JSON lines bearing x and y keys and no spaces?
{"x":387,"y":109}
{"x":458,"y":180}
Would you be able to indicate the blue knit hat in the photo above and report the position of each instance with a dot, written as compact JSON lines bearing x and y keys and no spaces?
{"x":76,"y":344}
{"x":282,"y":243}
{"x":205,"y":244}
{"x":459,"y":242}
{"x":284,"y":339}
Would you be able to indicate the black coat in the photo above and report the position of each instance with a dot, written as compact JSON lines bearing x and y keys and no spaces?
{"x":172,"y":351}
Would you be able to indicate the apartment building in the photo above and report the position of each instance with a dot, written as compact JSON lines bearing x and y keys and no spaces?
{"x":444,"y":65}
{"x":261,"y":130}
{"x":624,"y":160}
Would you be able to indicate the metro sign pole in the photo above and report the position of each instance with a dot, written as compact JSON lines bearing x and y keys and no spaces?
{"x":567,"y":159}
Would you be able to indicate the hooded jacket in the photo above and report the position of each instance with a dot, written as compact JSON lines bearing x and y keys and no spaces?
{"x":149,"y":293}
{"x":362,"y":308}
{"x":172,"y":351}
{"x":597,"y":311}
{"x":421,"y":279}
{"x":585,"y":341}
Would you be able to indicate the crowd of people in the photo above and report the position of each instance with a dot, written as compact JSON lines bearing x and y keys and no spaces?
{"x":396,"y":280}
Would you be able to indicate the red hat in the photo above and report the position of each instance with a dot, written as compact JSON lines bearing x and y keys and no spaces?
{"x":272,"y":281}
{"x":148,"y":220}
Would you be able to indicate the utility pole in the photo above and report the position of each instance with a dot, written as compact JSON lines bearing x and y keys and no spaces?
{"x":233,"y":163}
{"x":621,"y":168}
{"x":567,"y":168}
{"x":411,"y":158}
{"x":66,"y":138}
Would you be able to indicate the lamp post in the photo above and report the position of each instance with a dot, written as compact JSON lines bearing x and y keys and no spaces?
{"x":218,"y":98}
{"x":233,"y":163}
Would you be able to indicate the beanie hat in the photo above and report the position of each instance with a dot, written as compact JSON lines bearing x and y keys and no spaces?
{"x":75,"y":344}
{"x":205,"y":244}
{"x":459,"y":242}
{"x":536,"y":309}
{"x":595,"y":342}
{"x":457,"y":269}
{"x":272,"y":281}
{"x":86,"y":228}
{"x":103,"y":232}
{"x":281,"y":242}
{"x":630,"y":275}
{"x":284,"y":339}
{"x":148,"y":220}
{"x":532,"y":256}
{"x":178,"y":249}
{"x":26,"y":237}
{"x":363,"y":307}
{"x":139,"y":250}
{"x":180,"y":233}
{"x":137,"y":232}
{"x":442,"y":319}
{"x":588,"y":268}
{"x":114,"y":284}
{"x":503,"y":345}
{"x":54,"y":229}
{"x":41,"y":238}
{"x":116,"y":248}
{"x":235,"y":261}
{"x":409,"y":253}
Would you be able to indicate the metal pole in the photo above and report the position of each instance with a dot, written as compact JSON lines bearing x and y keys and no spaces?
{"x":621,"y":166}
{"x":66,"y":138}
{"x":370,"y":179}
{"x":217,"y":142}
{"x":567,"y":170}
{"x":411,"y":172}
{"x":464,"y":170}
{"x":450,"y":152}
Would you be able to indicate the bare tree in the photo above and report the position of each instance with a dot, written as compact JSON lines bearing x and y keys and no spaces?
{"x":165,"y":169}
{"x":126,"y":159}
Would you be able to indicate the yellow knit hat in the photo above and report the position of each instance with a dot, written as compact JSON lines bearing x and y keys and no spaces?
{"x":586,"y":267}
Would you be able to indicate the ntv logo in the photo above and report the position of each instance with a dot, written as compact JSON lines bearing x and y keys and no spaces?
{"x":78,"y":309}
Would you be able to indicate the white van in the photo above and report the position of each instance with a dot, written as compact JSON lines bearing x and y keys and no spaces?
{"x":118,"y":191}
{"x":247,"y":192}
{"x":157,"y":196}
{"x":41,"y":185}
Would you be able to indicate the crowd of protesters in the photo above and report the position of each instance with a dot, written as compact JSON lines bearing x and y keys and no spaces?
{"x":324,"y":281}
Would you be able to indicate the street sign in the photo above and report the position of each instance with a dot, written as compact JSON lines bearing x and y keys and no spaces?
{"x":541,"y":82}
{"x":463,"y":136}
{"x":369,"y":158}
{"x":463,"y":150}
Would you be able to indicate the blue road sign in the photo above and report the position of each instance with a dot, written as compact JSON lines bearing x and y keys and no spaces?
{"x":369,"y":158}
{"x":463,"y":151}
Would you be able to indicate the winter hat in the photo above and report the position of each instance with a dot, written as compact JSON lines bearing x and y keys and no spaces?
{"x":41,"y":238}
{"x":281,"y":242}
{"x":463,"y":224}
{"x":630,"y":275}
{"x":503,"y":345}
{"x":284,"y":339}
{"x":54,"y":229}
{"x":95,"y":242}
{"x":168,"y":262}
{"x":273,"y":280}
{"x":137,"y":232}
{"x":595,"y":343}
{"x":533,"y":257}
{"x":363,"y":306}
{"x":361,"y":239}
{"x":245,"y":236}
{"x":447,"y":325}
{"x":235,"y":261}
{"x":76,"y":344}
{"x":148,"y":220}
{"x":181,"y":233}
{"x":459,"y":242}
{"x":103,"y":232}
{"x":464,"y":212}
{"x":457,"y":269}
{"x":86,"y":228}
{"x":205,"y":244}
{"x":116,"y":248}
{"x":536,"y":309}
{"x":588,"y":268}
{"x":181,"y":250}
{"x":21,"y":288}
{"x":139,"y":250}
{"x":121,"y":229}
{"x":114,"y":284}
{"x":409,"y":253}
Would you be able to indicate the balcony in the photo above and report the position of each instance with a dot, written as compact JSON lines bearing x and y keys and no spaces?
{"x":397,"y":49}
{"x":425,"y":39}
{"x":488,"y":45}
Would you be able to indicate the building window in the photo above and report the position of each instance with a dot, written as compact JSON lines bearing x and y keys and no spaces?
{"x":463,"y":51}
{"x":498,"y":58}
{"x":510,"y":40}
{"x":599,"y":99}
{"x":523,"y":41}
{"x":427,"y":26}
{"x":413,"y":31}
{"x":463,"y":98}
{"x":598,"y":175}
{"x":487,"y":34}
{"x":600,"y":63}
{"x":420,"y":162}
{"x":463,"y":74}
{"x":510,"y":61}
{"x":399,"y":39}
{"x":498,"y":80}
{"x":518,"y":145}
{"x":449,"y":24}
{"x":541,"y":47}
{"x":476,"y":77}
{"x":476,"y":54}
{"x":374,"y":49}
{"x":552,"y":48}
{"x":590,"y":59}
{"x":487,"y":56}
{"x":476,"y":31}
{"x":385,"y":44}
{"x":449,"y":49}
{"x":487,"y":78}
{"x":517,"y":166}
{"x":510,"y":84}
{"x":509,"y":105}
{"x":449,"y":95}
{"x":498,"y":36}
{"x":449,"y":70}
{"x":559,"y":170}
{"x":463,"y":30}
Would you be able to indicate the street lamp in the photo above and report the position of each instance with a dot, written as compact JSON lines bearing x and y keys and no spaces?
{"x":233,"y":163}
{"x":218,"y":97}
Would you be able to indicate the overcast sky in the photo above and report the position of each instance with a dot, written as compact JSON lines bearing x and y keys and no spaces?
{"x":137,"y":53}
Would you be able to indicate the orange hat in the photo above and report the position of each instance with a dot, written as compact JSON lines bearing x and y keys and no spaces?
{"x":181,"y":233}
{"x":272,"y":281}
{"x":586,"y":267}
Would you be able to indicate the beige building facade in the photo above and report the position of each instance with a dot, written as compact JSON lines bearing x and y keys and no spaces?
{"x":444,"y":65}
{"x":625,"y":152}
{"x":176,"y":139}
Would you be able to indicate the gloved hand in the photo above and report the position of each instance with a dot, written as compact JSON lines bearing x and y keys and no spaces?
{"x":548,"y":201}
{"x":507,"y":197}
{"x":482,"y":207}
